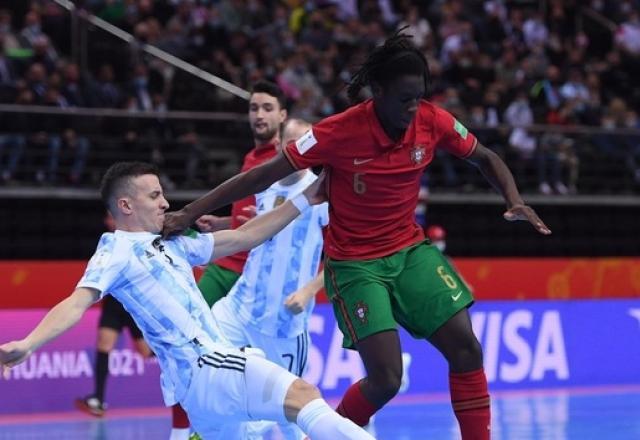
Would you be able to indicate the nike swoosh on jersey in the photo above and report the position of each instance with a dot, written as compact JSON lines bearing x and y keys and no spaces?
{"x":361,"y":161}
{"x":456,"y":297}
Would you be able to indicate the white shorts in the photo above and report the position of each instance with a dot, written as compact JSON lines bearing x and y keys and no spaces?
{"x":290,"y":353}
{"x":229,"y":386}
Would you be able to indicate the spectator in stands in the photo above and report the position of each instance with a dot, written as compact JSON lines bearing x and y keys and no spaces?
{"x":9,"y":38}
{"x":628,"y":34}
{"x":522,"y":144}
{"x":8,"y":74}
{"x":108,"y":93}
{"x":312,"y":49}
{"x":416,"y":26}
{"x":13,"y":144}
{"x":535,"y":31}
{"x":624,"y":148}
{"x":36,"y":81}
{"x":554,"y":150}
{"x":43,"y":54}
{"x":64,"y":142}
{"x":72,"y":90}
{"x":576,"y":93}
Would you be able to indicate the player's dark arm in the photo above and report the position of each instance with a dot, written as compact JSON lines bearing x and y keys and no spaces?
{"x":242,"y":185}
{"x":497,"y":173}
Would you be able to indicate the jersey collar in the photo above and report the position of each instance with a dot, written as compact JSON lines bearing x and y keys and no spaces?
{"x":381,"y":137}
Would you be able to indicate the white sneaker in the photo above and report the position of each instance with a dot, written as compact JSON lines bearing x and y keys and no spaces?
{"x":545,"y":188}
{"x":406,"y":363}
{"x":91,"y":405}
{"x":561,"y":188}
{"x":371,"y":426}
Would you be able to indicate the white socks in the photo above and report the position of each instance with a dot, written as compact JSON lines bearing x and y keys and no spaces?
{"x":180,"y":434}
{"x":320,"y":422}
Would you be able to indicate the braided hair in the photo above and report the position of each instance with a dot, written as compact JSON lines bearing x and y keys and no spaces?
{"x":397,"y":56}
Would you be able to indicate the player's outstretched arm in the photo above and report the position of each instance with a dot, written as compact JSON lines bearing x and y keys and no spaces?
{"x":298,"y":300}
{"x":60,"y":318}
{"x":265,"y":226}
{"x":497,"y":173}
{"x":242,"y":185}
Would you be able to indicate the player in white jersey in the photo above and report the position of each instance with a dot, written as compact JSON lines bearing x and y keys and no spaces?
{"x":269,"y":305}
{"x":153,"y":279}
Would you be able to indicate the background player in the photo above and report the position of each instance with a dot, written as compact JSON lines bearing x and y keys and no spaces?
{"x":153,"y":279}
{"x":380,"y":271}
{"x":270,"y":304}
{"x":267,"y":112}
{"x":113,"y":319}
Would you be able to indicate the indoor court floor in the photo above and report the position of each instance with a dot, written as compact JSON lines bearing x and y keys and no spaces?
{"x":611,"y":413}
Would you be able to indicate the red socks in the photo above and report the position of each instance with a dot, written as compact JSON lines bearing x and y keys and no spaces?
{"x":355,"y":407}
{"x":470,"y":400}
{"x":179,"y":417}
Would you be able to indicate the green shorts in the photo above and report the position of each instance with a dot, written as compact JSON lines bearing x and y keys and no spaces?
{"x":216,"y":282}
{"x":416,"y":287}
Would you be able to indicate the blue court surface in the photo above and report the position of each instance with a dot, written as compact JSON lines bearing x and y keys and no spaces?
{"x":611,"y":413}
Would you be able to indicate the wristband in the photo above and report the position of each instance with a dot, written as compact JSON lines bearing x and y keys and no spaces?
{"x":300,"y":202}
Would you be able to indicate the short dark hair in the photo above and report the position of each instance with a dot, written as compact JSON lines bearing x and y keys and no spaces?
{"x":271,"y":89}
{"x":118,"y":176}
{"x":397,"y":56}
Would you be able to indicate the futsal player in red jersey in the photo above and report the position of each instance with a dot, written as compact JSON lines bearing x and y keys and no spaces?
{"x":379,"y":270}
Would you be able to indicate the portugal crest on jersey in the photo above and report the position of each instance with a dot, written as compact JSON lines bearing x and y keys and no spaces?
{"x":417,"y":154}
{"x":361,"y":312}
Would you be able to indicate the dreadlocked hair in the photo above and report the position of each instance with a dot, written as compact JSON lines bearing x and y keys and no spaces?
{"x":397,"y":56}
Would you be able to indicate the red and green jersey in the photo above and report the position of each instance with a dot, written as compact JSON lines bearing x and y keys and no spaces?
{"x":253,"y":158}
{"x":372,"y":181}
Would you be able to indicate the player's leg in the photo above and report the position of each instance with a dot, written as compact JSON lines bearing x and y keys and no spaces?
{"x":230,"y":386}
{"x":109,"y":328}
{"x":467,"y":380}
{"x":291,"y":354}
{"x":432,"y":302}
{"x":359,"y":292}
{"x":216,"y":282}
{"x":237,"y":334}
{"x":298,"y":401}
{"x":382,"y":359}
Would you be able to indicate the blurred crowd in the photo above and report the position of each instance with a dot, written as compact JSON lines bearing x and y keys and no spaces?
{"x":495,"y":62}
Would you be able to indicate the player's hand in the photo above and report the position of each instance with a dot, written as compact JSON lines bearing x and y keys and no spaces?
{"x":175,"y":223}
{"x":11,"y":354}
{"x":316,"y":193}
{"x":213,"y":223}
{"x":249,"y":212}
{"x":297,"y":301}
{"x":524,"y":212}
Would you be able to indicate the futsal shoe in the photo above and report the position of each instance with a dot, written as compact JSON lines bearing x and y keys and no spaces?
{"x":91,"y":405}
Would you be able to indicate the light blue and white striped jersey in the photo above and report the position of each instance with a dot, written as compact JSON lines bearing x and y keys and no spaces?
{"x":280,"y":266}
{"x":153,"y":279}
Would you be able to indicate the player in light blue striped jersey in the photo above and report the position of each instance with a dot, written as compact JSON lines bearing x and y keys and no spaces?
{"x":218,"y":386}
{"x":270,"y":304}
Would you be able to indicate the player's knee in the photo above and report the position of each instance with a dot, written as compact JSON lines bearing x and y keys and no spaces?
{"x":107,"y":339}
{"x":467,"y":355}
{"x":298,"y":395}
{"x":386,"y":384}
{"x":304,"y":391}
